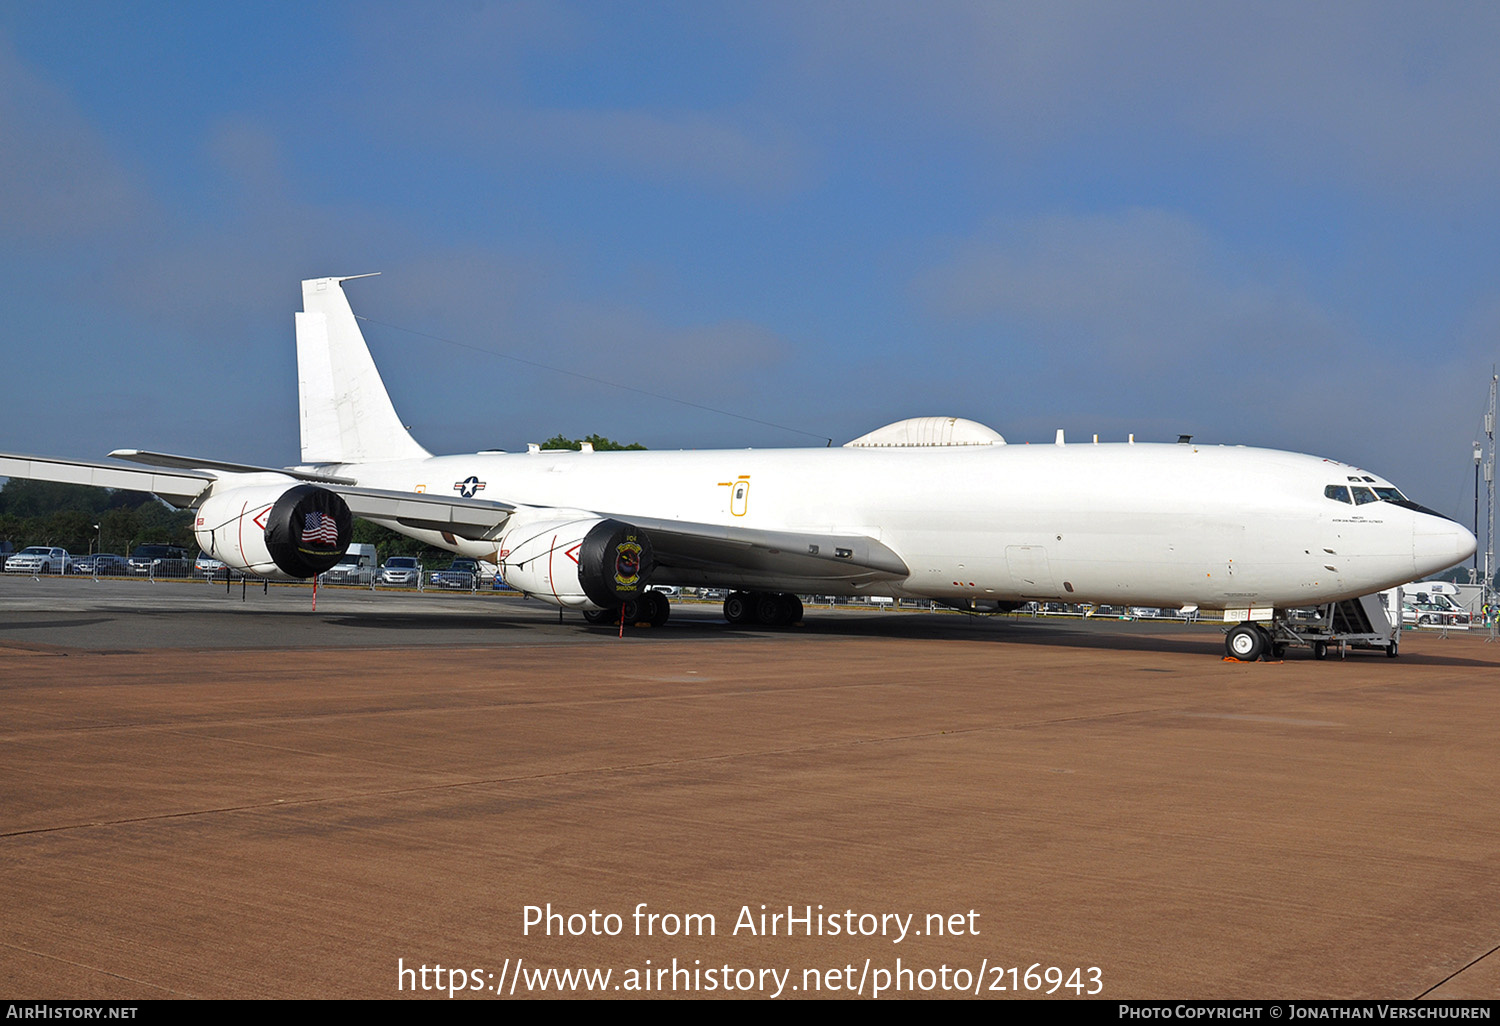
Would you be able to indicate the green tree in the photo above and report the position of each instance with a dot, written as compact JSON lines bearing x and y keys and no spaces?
{"x":49,"y":513}
{"x":599,"y":442}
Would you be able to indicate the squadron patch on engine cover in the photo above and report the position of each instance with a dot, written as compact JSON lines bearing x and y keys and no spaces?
{"x":627,"y":563}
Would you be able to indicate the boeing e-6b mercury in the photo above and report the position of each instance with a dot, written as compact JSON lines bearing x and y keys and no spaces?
{"x":935,"y":508}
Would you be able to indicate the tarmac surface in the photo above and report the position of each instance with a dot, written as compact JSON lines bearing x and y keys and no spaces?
{"x":210,"y":795}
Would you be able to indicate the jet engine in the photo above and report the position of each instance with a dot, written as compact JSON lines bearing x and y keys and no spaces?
{"x":576,"y":560}
{"x":275,"y":531}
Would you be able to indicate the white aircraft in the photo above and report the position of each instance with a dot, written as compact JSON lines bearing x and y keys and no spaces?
{"x":934,"y":508}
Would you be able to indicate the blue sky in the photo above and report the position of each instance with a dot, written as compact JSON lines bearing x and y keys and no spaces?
{"x":1270,"y":224}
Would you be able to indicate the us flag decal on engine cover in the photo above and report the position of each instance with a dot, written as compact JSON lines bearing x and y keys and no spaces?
{"x":321,"y":529}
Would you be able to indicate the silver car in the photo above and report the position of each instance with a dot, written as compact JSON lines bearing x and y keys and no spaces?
{"x":400,"y":572}
{"x":39,"y":559}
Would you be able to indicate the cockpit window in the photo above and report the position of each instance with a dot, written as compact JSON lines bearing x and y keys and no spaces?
{"x":1363,"y":494}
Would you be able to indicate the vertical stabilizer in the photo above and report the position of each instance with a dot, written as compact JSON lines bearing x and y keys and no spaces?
{"x":347,"y":416}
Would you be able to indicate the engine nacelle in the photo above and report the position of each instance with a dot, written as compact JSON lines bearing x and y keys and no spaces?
{"x":575,"y":560}
{"x":275,"y":531}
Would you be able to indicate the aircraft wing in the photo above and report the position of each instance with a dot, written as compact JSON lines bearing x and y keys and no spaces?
{"x":683,"y":550}
{"x":178,"y":486}
{"x":164,"y":459}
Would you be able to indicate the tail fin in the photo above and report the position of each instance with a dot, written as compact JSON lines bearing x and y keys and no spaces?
{"x":347,"y":416}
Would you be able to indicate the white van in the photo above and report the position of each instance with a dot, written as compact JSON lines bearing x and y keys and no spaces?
{"x":355,"y":566}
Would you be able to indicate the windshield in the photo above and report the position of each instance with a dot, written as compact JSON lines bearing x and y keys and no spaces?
{"x":1363,"y":494}
{"x":35,"y":550}
{"x":401,"y":563}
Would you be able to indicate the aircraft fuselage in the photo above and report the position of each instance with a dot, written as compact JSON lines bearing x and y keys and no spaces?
{"x":1143,"y":524}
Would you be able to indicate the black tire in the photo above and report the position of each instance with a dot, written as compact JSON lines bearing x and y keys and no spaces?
{"x":1391,"y":651}
{"x":633,"y":610}
{"x":1246,"y":643}
{"x":738,"y":609}
{"x":599,"y":617}
{"x":794,"y":606}
{"x":771,"y":609}
{"x":1320,"y":649}
{"x":658,"y":609}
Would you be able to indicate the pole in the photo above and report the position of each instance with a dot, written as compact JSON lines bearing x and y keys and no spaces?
{"x":1478,"y":457}
{"x":1487,"y":591}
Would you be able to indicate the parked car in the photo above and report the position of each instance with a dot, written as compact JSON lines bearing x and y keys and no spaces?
{"x":160,"y":561}
{"x":356,"y":566}
{"x":401,"y":572}
{"x":460,"y":576}
{"x":101,"y":564}
{"x":347,"y":573}
{"x":214,"y":569}
{"x":39,"y":559}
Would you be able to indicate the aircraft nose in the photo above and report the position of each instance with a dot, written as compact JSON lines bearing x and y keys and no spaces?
{"x":1438,"y":543}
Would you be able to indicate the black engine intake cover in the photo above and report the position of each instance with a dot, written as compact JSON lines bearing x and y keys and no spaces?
{"x":307,"y":530}
{"x":614,"y":563}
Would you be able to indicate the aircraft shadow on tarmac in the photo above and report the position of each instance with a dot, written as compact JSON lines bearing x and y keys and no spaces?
{"x":704,"y":623}
{"x":478,"y":623}
{"x":1115,"y":635}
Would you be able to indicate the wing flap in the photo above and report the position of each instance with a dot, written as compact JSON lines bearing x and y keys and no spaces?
{"x":473,"y":519}
{"x":788,"y":560}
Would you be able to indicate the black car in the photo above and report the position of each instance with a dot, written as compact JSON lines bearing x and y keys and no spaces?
{"x":461,"y":576}
{"x":101,"y":564}
{"x":160,"y":561}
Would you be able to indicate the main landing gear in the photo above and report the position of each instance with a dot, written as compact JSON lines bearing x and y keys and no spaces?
{"x":651,"y":608}
{"x":765,"y":608}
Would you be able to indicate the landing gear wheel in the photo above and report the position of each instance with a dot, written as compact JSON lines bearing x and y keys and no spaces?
{"x":1320,"y":650}
{"x":738,"y":609}
{"x":794,"y":607}
{"x":633,"y":610}
{"x":601,"y":616}
{"x":657,"y":608}
{"x":772,"y":609}
{"x":1245,"y":643}
{"x":1278,"y":650}
{"x":1391,"y":651}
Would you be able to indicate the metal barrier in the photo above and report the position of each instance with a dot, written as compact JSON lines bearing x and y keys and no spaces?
{"x":452,"y":580}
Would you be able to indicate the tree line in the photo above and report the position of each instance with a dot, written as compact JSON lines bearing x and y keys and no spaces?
{"x":81,"y":518}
